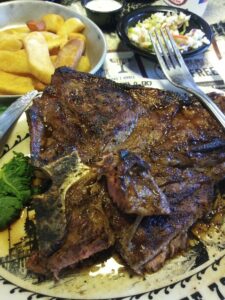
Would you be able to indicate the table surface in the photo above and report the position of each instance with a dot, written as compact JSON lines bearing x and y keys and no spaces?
{"x":214,"y":12}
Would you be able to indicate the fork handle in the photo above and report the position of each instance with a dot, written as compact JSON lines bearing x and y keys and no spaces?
{"x":208,"y":102}
{"x":14,"y":111}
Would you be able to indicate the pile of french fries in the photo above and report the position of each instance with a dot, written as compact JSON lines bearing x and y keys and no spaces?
{"x":29,"y":54}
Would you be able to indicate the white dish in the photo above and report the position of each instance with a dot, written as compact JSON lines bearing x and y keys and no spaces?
{"x":197,"y":274}
{"x":19,"y":12}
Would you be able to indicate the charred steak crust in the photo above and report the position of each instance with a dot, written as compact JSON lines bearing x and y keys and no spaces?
{"x":72,"y":112}
{"x":169,"y":151}
{"x":156,"y":234}
{"x":87,"y":231}
{"x":131,"y":185}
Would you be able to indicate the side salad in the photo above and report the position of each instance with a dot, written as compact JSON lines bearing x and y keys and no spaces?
{"x":176,"y":23}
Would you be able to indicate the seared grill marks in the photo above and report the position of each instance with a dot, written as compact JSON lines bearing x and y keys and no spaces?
{"x":153,"y":164}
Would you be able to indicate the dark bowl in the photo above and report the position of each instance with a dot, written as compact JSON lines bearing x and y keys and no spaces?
{"x":104,"y":19}
{"x":140,"y":14}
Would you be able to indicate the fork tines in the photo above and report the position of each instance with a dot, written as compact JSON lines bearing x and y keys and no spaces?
{"x":176,"y":71}
{"x":165,"y":48}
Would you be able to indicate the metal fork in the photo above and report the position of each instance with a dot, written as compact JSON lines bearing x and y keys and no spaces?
{"x":14,"y":111}
{"x":176,"y":71}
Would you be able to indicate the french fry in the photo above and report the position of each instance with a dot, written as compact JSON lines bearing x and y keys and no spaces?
{"x":15,"y":30}
{"x":77,"y":35}
{"x":10,"y":43}
{"x":14,"y":62}
{"x":38,"y":57}
{"x":53,"y":40}
{"x":53,"y":22}
{"x":30,"y":53}
{"x":16,"y":35}
{"x":71,"y":25}
{"x":53,"y":58}
{"x":11,"y":84}
{"x":70,"y":54}
{"x":84,"y":64}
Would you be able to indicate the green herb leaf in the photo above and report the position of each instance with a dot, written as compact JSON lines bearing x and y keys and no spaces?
{"x":15,"y":188}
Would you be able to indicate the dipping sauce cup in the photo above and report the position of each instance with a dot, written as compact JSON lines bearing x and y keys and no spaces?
{"x":104,"y":13}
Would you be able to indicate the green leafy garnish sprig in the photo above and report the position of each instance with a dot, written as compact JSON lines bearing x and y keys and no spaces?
{"x":15,"y":188}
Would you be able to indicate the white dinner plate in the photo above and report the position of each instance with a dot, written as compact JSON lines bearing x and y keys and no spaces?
{"x":199,"y":273}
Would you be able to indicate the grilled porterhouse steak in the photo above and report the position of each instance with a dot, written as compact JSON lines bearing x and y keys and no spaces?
{"x":151,"y":161}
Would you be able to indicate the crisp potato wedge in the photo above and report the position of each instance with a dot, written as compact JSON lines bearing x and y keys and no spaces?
{"x":70,"y":54}
{"x":16,"y":35}
{"x":14,"y":62}
{"x":49,"y":36}
{"x":53,"y":22}
{"x":30,"y":53}
{"x":10,"y":43}
{"x":84,"y":64}
{"x":77,"y":35}
{"x":38,"y":57}
{"x":71,"y":25}
{"x":14,"y":84}
{"x":53,"y":40}
{"x":13,"y":30}
{"x":53,"y":58}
